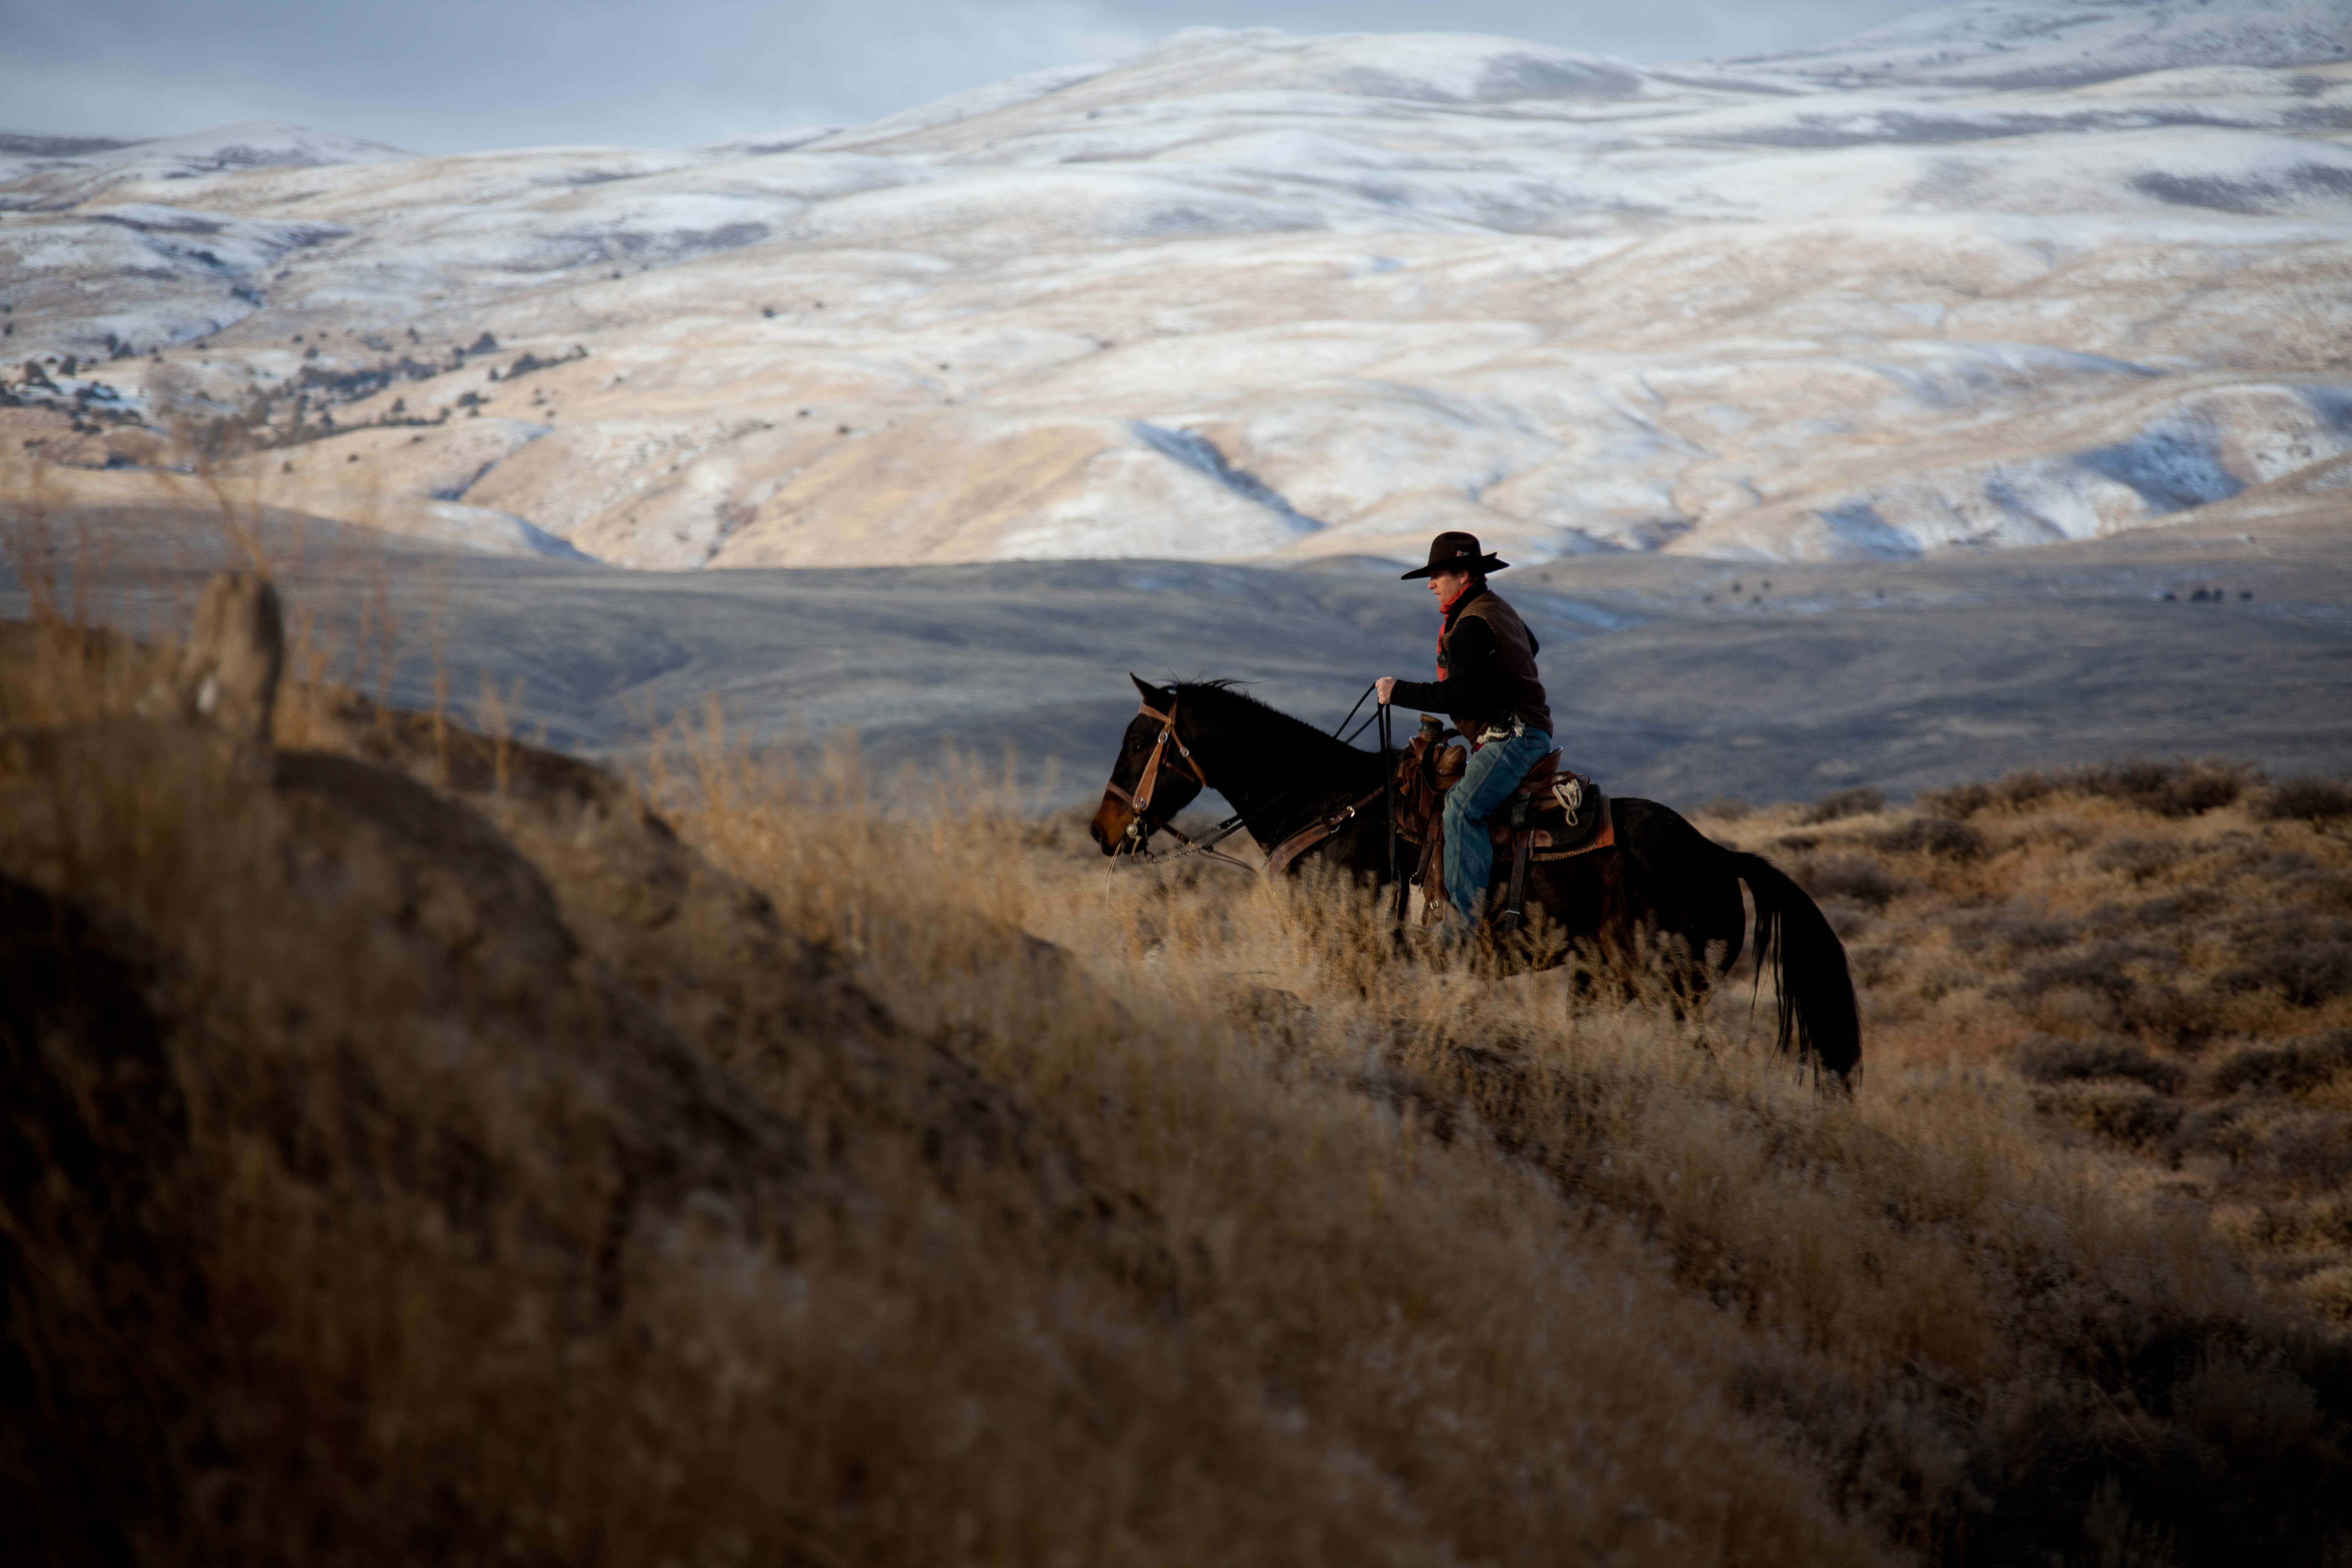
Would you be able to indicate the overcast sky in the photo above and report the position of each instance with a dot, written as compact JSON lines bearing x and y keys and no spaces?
{"x":446,"y":76}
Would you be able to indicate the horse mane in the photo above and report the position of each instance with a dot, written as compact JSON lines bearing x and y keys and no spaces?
{"x":1293,"y":740}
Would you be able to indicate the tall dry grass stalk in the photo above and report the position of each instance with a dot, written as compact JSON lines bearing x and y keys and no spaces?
{"x":135,"y":555}
{"x":431,"y":1151}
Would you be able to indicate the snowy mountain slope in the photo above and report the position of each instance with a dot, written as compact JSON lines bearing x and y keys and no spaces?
{"x":1252,"y":296}
{"x":2046,"y":43}
{"x":42,"y":174}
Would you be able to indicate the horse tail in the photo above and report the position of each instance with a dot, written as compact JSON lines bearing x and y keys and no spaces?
{"x":1818,"y":1016}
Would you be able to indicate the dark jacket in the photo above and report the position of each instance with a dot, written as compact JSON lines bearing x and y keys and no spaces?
{"x":1487,"y":667}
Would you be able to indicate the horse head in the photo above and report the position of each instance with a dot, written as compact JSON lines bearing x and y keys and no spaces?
{"x":1155,"y":777}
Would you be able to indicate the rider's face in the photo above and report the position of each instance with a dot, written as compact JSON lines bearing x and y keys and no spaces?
{"x":1446,"y":585}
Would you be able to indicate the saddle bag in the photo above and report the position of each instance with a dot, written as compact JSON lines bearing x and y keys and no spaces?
{"x":1580,"y":803}
{"x":1556,"y":810}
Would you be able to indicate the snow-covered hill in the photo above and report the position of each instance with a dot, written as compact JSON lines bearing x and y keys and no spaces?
{"x":2066,"y":43}
{"x":2003,"y":273}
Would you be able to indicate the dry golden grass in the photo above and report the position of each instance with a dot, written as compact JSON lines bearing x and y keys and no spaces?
{"x":423,"y":1150}
{"x":1968,"y":1319}
{"x":2163,"y":951}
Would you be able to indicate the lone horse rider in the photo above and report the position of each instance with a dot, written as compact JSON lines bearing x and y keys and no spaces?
{"x":1486,"y":684}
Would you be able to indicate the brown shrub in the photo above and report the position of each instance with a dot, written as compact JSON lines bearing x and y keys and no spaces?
{"x":2322,"y":886}
{"x":2314,"y":1152}
{"x":2188,"y":907}
{"x":1933,"y":835}
{"x":2276,"y":1149}
{"x":2013,"y":931}
{"x":2306,"y":799}
{"x":2175,"y":789}
{"x":1841,"y":804}
{"x":1959,"y":802}
{"x":2294,"y":1066}
{"x":2138,"y":858}
{"x":2306,"y":960}
{"x":1855,"y":877}
{"x":1847,"y":919}
{"x":2104,"y":968}
{"x":2269,"y":868}
{"x":2330,"y":1291}
{"x":2059,"y":1061}
{"x":2226,"y":1130}
{"x":2287,"y":1227}
{"x":2127,"y":1114}
{"x":2182,"y":1019}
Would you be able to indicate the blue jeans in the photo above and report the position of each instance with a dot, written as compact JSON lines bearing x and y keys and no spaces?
{"x":1494,"y":771}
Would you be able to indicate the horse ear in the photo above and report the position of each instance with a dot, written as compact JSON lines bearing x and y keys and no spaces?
{"x":1152,"y":694}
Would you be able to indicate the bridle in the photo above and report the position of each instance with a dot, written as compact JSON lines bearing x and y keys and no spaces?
{"x":1161,"y":746}
{"x":1281,"y":854}
{"x":1141,"y":798}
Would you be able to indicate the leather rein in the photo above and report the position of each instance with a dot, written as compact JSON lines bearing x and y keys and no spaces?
{"x":1278,"y":859}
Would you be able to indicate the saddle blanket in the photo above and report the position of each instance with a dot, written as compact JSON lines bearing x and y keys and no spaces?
{"x":1539,"y":839}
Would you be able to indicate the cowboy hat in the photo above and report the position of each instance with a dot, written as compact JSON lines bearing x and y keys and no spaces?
{"x":1456,"y":552}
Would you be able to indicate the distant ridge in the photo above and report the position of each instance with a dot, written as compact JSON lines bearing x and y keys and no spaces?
{"x":36,"y":146}
{"x":2068,"y":43}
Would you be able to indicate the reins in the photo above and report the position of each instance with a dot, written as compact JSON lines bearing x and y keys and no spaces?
{"x":1283,"y":853}
{"x":1192,"y":845}
{"x":1388,"y":810}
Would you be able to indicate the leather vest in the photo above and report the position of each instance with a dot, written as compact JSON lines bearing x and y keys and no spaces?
{"x":1514,"y":664}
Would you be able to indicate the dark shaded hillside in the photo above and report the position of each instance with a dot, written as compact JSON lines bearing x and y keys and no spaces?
{"x":397,"y":1126}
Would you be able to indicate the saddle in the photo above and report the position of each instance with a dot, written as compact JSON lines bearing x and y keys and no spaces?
{"x":1553,"y":814}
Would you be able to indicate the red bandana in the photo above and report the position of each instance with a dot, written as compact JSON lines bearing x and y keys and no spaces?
{"x":1445,"y":609}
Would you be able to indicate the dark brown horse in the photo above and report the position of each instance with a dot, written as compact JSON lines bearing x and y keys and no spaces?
{"x":1663,"y":878}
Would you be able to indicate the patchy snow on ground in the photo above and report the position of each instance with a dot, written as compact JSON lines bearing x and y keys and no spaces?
{"x":1998,"y":274}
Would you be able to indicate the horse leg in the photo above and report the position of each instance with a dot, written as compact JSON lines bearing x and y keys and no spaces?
{"x":1649,"y":934}
{"x":1616,"y":925}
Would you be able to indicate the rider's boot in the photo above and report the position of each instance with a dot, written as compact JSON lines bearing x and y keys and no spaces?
{"x":1451,"y":931}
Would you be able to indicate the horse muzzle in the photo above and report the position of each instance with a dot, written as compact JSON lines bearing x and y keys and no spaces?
{"x":1118,"y":827}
